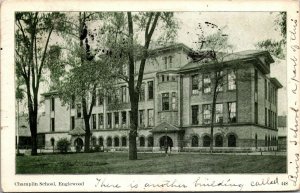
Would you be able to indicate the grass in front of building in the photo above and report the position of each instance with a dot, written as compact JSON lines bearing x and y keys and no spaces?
{"x":148,"y":163}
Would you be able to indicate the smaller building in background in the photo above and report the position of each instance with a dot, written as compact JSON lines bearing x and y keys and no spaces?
{"x":282,"y":132}
{"x":23,"y":133}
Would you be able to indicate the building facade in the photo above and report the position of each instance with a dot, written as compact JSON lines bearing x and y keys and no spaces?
{"x":175,"y":106}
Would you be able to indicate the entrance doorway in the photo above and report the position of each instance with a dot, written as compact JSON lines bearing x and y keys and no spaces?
{"x":165,"y":141}
{"x":78,"y":143}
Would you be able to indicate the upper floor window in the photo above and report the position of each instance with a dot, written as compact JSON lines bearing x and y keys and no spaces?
{"x":231,"y":80}
{"x":206,"y":83}
{"x":100,"y":98}
{"x":72,"y":122}
{"x":124,"y":94}
{"x":219,"y":113}
{"x":266,"y":89}
{"x":100,"y":119}
{"x":165,"y":102}
{"x":150,"y":90}
{"x":52,"y":124}
{"x":195,"y":84}
{"x":94,"y":121}
{"x":232,"y":112}
{"x":195,"y":111}
{"x":206,"y":113}
{"x":141,"y":118}
{"x":109,"y":120}
{"x":170,"y":61}
{"x":142,"y":92}
{"x":116,"y":118}
{"x":166,"y":62}
{"x":73,"y":102}
{"x":256,"y":112}
{"x":256,"y":80}
{"x":173,"y":100}
{"x":78,"y":110}
{"x":150,"y":118}
{"x":220,"y":77}
{"x":52,"y":104}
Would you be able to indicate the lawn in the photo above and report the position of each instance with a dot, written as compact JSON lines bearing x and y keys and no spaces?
{"x":148,"y":163}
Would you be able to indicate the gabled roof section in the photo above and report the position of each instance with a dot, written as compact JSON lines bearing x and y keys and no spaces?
{"x":165,"y":127}
{"x":224,"y":58}
{"x":178,"y":46}
{"x":77,"y":131}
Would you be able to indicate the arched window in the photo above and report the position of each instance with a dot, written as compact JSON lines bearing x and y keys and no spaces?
{"x":195,"y":142}
{"x":94,"y":141}
{"x":142,"y":141}
{"x":100,"y":141}
{"x":116,"y":140}
{"x":231,"y":140}
{"x":206,"y":141}
{"x":124,"y":141}
{"x":52,"y":142}
{"x":109,"y":142}
{"x":150,"y":141}
{"x":219,"y":141}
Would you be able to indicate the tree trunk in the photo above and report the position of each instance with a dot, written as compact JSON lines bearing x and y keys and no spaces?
{"x":33,"y":130}
{"x":213,"y":112}
{"x":133,"y":130}
{"x":87,"y":135}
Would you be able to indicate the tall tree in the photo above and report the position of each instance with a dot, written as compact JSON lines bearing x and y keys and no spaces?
{"x":33,"y":34}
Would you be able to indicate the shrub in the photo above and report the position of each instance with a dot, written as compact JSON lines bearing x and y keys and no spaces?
{"x":97,"y":148}
{"x":63,"y":145}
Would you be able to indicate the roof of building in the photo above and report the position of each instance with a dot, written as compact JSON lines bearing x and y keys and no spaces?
{"x":281,"y":121}
{"x":50,"y":93}
{"x":242,"y":55}
{"x":276,"y":82}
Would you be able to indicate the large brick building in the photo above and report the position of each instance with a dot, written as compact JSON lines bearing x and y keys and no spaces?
{"x":175,"y":106}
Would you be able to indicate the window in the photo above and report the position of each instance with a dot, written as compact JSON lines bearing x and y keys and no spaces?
{"x":100,"y":141}
{"x":100,"y":119}
{"x":123,"y":117}
{"x":94,"y":97}
{"x":142,"y":92}
{"x":195,"y":84}
{"x":52,"y":124}
{"x":109,"y":142}
{"x":170,"y":61}
{"x":195,"y":110}
{"x":232,"y":112}
{"x":219,"y":76}
{"x":150,"y":118}
{"x":94,"y":121}
{"x":266,"y":90}
{"x":195,"y":141}
{"x":231,"y":80}
{"x":219,"y":113}
{"x":256,"y":80}
{"x":206,"y":141}
{"x":150,"y":90}
{"x":206,"y":113}
{"x":269,"y":92}
{"x":100,"y":98}
{"x":142,"y":141}
{"x":117,"y":142}
{"x":219,"y":141}
{"x":94,"y":141}
{"x":165,"y":102}
{"x":109,"y":101}
{"x":166,"y":62}
{"x":116,"y":118}
{"x":52,"y":104}
{"x":78,"y":110}
{"x":124,"y":94}
{"x":109,"y":120}
{"x":206,"y":83}
{"x":266,"y":117}
{"x":141,"y":118}
{"x":173,"y":101}
{"x":150,"y":141}
{"x":269,"y":118}
{"x":73,"y":102}
{"x":162,"y":78}
{"x":256,"y":112}
{"x":72,"y":122}
{"x":124,"y":142}
{"x":52,"y":142}
{"x":232,"y":140}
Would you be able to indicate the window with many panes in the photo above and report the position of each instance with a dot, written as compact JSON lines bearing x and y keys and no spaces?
{"x":195,"y":84}
{"x":141,"y":118}
{"x":142,"y":92}
{"x":100,"y":120}
{"x":100,"y":98}
{"x":232,"y":112}
{"x":206,"y":113}
{"x":124,"y":94}
{"x":150,"y":90}
{"x":150,"y":118}
{"x":206,"y":83}
{"x":116,"y":116}
{"x":109,"y":120}
{"x":195,"y":111}
{"x":123,"y":117}
{"x":219,"y":76}
{"x":165,"y":102}
{"x":219,"y":113}
{"x":94,"y":121}
{"x":231,"y":80}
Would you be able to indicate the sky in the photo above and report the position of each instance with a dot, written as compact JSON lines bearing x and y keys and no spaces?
{"x":244,"y":29}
